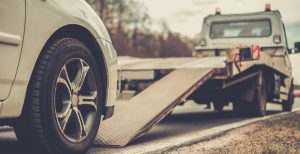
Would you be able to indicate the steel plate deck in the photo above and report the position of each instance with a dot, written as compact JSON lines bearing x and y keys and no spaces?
{"x":143,"y":111}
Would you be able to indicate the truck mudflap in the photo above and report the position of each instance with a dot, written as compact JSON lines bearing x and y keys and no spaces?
{"x":142,"y":112}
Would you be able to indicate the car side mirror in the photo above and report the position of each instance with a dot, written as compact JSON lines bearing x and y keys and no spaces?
{"x":297,"y":47}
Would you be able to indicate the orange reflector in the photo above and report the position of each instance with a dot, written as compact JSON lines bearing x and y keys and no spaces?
{"x":268,"y":7}
{"x":218,"y":10}
{"x":256,"y":52}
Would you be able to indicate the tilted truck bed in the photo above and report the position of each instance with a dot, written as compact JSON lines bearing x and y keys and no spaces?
{"x":143,"y":111}
{"x":136,"y":68}
{"x":137,"y":64}
{"x":131,"y":68}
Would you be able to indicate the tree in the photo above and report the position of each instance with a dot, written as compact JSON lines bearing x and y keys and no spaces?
{"x":130,"y":28}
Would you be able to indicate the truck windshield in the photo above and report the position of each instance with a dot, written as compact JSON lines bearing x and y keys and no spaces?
{"x":241,"y":29}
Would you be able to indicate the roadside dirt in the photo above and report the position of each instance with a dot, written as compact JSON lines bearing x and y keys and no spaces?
{"x":281,"y":135}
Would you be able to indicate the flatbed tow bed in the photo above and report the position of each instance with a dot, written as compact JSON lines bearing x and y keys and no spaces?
{"x":184,"y":77}
{"x":250,"y":72}
{"x":146,"y":109}
{"x":149,"y":107}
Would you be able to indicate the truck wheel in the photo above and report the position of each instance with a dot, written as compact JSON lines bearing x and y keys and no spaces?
{"x":218,"y":106}
{"x":255,"y":108}
{"x":259,"y":103}
{"x":239,"y":108}
{"x":287,"y":106}
{"x":62,"y":109}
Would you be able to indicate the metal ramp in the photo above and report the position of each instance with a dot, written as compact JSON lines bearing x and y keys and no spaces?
{"x":148,"y":108}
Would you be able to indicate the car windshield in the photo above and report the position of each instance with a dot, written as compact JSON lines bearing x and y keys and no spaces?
{"x":243,"y":29}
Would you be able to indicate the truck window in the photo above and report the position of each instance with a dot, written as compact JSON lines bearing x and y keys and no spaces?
{"x":241,"y":29}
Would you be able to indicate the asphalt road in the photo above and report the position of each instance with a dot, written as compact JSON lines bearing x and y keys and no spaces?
{"x":184,"y":120}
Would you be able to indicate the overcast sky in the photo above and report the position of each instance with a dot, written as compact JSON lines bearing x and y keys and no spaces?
{"x":185,"y":16}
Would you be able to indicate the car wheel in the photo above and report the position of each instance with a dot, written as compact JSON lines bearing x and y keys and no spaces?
{"x":287,"y":106}
{"x":63,"y":103}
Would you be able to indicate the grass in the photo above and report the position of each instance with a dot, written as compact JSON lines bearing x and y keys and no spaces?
{"x":274,"y":136}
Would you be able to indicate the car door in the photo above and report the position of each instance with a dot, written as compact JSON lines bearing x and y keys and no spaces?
{"x":12,"y":22}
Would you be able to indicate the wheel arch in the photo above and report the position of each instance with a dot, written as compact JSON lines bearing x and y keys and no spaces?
{"x":84,"y":35}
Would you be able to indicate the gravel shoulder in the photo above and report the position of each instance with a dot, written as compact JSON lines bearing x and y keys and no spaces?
{"x":279,"y":135}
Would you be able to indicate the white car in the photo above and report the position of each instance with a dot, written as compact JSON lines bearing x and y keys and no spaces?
{"x":58,"y":73}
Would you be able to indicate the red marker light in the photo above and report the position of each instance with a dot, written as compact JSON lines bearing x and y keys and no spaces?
{"x":297,"y":94}
{"x":268,"y":7}
{"x":256,"y":52}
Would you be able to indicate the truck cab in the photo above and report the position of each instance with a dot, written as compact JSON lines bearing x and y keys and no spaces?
{"x":222,"y":31}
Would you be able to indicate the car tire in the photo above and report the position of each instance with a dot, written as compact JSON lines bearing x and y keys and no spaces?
{"x":62,"y":110}
{"x":287,"y":106}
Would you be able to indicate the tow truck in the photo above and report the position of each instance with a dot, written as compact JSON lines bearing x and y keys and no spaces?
{"x":258,"y":65}
{"x":241,"y":59}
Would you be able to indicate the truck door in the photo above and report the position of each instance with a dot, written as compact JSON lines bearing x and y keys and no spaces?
{"x":12,"y":22}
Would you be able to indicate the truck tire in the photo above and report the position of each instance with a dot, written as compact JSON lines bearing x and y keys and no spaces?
{"x":218,"y":106}
{"x":257,"y":107}
{"x":259,"y":103}
{"x":240,"y":108}
{"x":63,"y":103}
{"x":287,"y":106}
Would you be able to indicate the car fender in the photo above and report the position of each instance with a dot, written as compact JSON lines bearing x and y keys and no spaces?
{"x":44,"y":18}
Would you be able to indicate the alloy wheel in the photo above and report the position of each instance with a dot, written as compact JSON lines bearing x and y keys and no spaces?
{"x":75,"y":100}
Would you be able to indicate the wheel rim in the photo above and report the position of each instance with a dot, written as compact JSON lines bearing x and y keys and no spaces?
{"x":75,"y":100}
